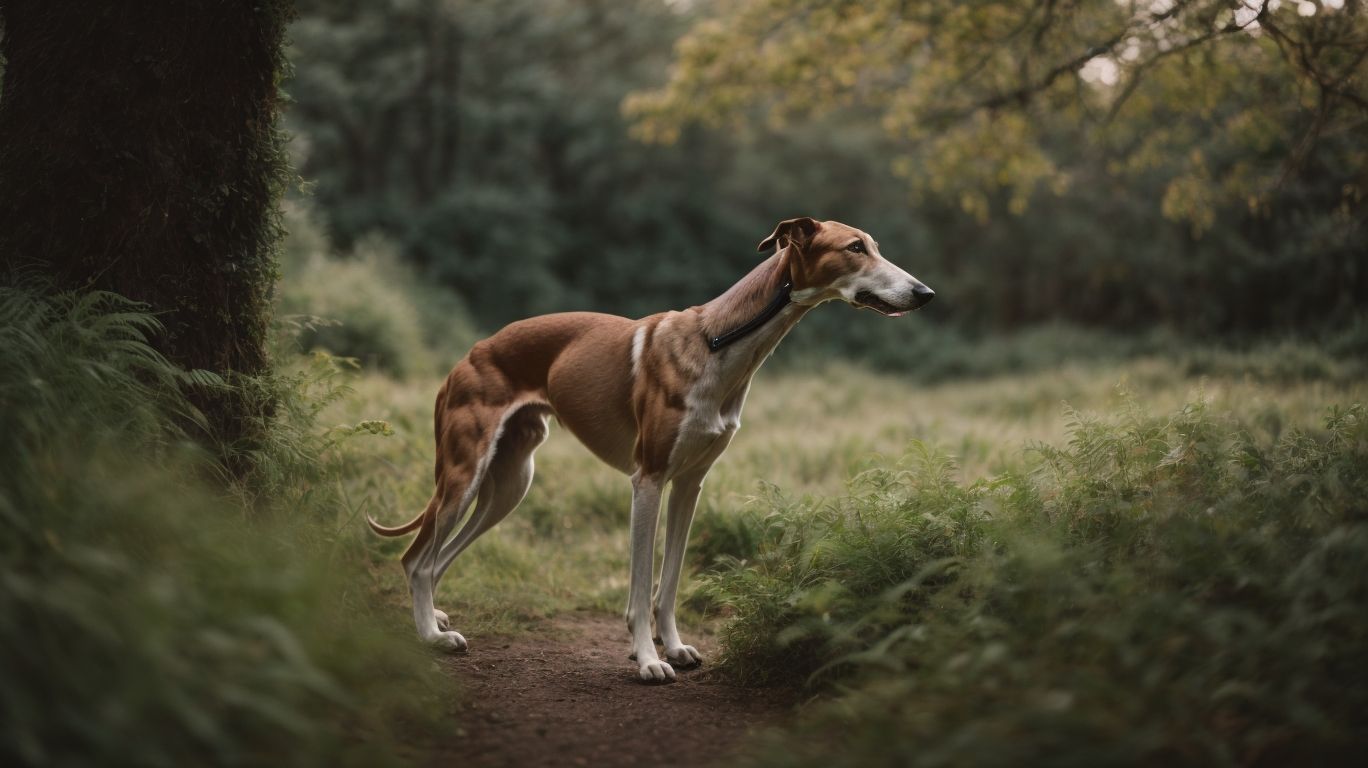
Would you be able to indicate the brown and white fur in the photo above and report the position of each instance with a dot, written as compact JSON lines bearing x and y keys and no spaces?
{"x":647,"y":396}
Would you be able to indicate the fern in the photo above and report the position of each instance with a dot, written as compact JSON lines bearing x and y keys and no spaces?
{"x":143,"y":589}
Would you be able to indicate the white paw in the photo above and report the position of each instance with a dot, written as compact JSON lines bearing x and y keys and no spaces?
{"x":657,"y":672}
{"x":443,"y":621}
{"x":448,"y":641}
{"x":684,"y":656}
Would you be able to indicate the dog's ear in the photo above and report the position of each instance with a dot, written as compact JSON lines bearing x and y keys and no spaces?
{"x":799,"y":230}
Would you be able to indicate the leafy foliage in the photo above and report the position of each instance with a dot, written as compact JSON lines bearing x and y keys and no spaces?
{"x":485,"y":140}
{"x":1202,"y":191}
{"x":149,"y":614}
{"x":1186,"y":588}
{"x":367,"y":304}
{"x":985,"y":96}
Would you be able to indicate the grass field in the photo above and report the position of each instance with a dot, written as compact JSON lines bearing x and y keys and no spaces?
{"x":807,"y":433}
{"x":1113,"y":563}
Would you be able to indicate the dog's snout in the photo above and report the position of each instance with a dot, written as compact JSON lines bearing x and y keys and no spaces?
{"x":922,"y":295}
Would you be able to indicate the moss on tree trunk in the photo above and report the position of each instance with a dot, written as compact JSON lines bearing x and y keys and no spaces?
{"x":139,"y":153}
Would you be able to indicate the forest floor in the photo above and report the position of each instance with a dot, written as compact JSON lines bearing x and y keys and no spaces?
{"x":565,"y":694}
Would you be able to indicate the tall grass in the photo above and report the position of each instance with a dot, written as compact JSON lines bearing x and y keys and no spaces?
{"x":806,"y":432}
{"x":1189,"y":589}
{"x":151,"y":614}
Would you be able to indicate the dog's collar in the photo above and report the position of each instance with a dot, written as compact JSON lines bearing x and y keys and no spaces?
{"x":780,"y":300}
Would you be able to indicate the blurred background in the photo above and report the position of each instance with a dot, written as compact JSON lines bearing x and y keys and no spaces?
{"x":1105,"y":502}
{"x":1197,"y":175}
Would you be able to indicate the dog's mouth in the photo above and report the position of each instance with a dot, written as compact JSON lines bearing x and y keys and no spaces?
{"x":867,"y":300}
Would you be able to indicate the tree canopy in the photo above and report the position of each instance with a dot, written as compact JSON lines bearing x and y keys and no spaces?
{"x":1229,"y":102}
{"x":1197,"y":165}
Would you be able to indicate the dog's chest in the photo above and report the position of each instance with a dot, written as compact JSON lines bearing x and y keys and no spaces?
{"x":712,"y":416}
{"x":715,"y":398}
{"x":714,"y":402}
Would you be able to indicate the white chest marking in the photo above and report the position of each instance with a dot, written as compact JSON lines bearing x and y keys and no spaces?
{"x":638,"y":341}
{"x":713,"y":404}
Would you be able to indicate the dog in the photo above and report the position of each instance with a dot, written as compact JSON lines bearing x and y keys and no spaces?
{"x":657,"y":398}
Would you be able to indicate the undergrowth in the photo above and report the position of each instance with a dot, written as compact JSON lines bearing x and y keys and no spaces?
{"x":1188,"y":589}
{"x":151,"y":611}
{"x":367,"y":304}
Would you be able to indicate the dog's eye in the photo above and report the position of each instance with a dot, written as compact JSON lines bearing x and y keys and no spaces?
{"x":856,"y":247}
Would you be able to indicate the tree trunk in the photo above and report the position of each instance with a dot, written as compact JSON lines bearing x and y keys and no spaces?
{"x":139,"y":154}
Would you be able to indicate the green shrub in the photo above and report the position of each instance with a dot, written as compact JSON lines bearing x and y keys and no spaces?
{"x":1186,"y":589}
{"x":818,"y":584}
{"x":719,"y":537}
{"x":368,"y":304}
{"x":148,"y":614}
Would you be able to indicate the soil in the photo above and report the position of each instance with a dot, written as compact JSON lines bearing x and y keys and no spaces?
{"x":565,"y":694}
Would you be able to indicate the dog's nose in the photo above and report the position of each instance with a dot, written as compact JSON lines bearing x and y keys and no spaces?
{"x":922,"y":295}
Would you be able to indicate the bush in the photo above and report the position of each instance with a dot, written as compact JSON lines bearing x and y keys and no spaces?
{"x":368,"y":304}
{"x":149,"y":614}
{"x":719,"y":538}
{"x":1185,"y":589}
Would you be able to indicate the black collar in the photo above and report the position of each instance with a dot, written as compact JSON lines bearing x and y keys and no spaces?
{"x":780,"y":300}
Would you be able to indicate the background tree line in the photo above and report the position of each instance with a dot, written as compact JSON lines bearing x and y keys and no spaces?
{"x":1197,"y":166}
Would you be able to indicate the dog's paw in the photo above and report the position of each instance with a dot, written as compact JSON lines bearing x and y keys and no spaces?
{"x":443,"y":620}
{"x":656,"y":672}
{"x":684,"y":656}
{"x":451,"y":642}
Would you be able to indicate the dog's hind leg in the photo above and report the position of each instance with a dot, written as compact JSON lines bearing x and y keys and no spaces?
{"x":420,"y":561}
{"x":505,"y":483}
{"x":421,"y":541}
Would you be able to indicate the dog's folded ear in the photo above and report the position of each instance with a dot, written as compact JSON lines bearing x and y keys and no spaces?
{"x":799,"y":230}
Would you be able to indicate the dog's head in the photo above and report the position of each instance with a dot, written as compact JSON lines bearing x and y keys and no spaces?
{"x":830,"y":260}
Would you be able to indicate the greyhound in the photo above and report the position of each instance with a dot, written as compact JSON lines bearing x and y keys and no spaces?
{"x":657,"y":398}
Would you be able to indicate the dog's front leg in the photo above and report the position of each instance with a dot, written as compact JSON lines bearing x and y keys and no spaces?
{"x":683,"y":499}
{"x":645,"y":514}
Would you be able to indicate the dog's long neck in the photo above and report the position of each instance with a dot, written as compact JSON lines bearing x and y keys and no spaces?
{"x":747,"y":299}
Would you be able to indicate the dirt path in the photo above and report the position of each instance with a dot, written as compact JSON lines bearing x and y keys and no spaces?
{"x":566,"y":695}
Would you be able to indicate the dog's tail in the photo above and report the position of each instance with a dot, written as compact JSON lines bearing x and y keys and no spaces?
{"x":398,"y":530}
